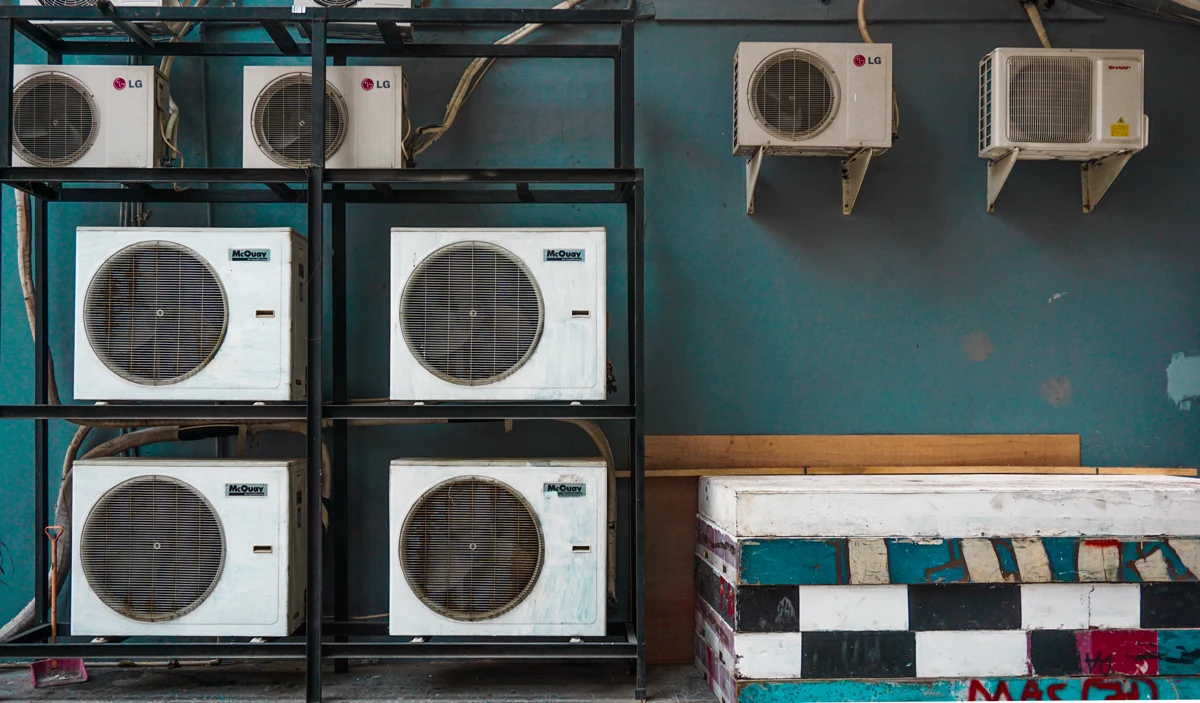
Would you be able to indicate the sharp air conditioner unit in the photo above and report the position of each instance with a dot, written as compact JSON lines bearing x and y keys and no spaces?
{"x":805,"y":99}
{"x":1067,"y":104}
{"x":364,"y":117}
{"x":190,"y":314}
{"x":188,"y":547}
{"x":498,"y":314}
{"x":498,"y":547}
{"x":87,"y":116}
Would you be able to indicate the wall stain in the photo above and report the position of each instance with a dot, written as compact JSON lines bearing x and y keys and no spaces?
{"x":978,"y":346}
{"x":1183,"y":380}
{"x":1057,"y":390}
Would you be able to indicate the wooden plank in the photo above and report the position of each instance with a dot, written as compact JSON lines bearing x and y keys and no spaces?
{"x":796,"y":451}
{"x":670,"y":543}
{"x":1140,"y":471}
{"x":844,"y":470}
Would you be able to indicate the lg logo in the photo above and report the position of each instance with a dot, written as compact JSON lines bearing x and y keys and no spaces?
{"x":861,"y":60}
{"x":122,"y":84}
{"x":368,"y":84}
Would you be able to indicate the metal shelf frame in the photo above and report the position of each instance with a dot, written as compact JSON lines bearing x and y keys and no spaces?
{"x":331,"y":637}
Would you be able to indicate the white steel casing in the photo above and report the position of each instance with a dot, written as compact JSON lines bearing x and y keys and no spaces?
{"x":259,"y":593}
{"x":361,"y":30}
{"x":130,"y":102}
{"x":1116,"y":122}
{"x":263,"y":356}
{"x":570,"y":359}
{"x":116,"y":3}
{"x":376,"y":100}
{"x":363,"y":4}
{"x":569,"y":597}
{"x":862,"y":115}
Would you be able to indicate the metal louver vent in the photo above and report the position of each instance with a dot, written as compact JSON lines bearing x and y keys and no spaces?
{"x":471,"y":548}
{"x":471,"y":313}
{"x":337,"y":3}
{"x":793,"y":94}
{"x":1050,"y":99}
{"x":55,"y":119}
{"x":152,"y":548}
{"x":155,"y":313}
{"x":283,"y":125}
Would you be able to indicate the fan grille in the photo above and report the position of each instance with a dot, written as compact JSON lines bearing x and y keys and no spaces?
{"x":1050,"y":99}
{"x":471,"y":548}
{"x":55,"y":120}
{"x":337,"y":3}
{"x":152,"y":548}
{"x":155,"y":313}
{"x":793,"y":94}
{"x":282,"y":120}
{"x":67,"y":3}
{"x":471,"y":313}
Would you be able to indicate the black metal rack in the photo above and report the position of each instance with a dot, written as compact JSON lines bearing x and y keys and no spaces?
{"x":317,"y":187}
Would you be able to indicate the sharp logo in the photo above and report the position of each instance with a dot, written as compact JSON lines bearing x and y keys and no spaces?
{"x":249,"y":254}
{"x":565,"y":490}
{"x":562,"y":254}
{"x":255,"y":490}
{"x":1119,"y":68}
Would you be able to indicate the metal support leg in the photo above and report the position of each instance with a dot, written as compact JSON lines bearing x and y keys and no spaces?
{"x":753,"y":166}
{"x":41,"y":439}
{"x":316,"y":321}
{"x":6,"y":88}
{"x":637,"y":221}
{"x":853,"y":171}
{"x":998,"y":170}
{"x":623,"y":122}
{"x":1099,"y":174}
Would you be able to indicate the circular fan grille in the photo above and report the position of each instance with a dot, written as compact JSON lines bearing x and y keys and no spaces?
{"x":67,"y":3}
{"x":155,"y":313}
{"x":471,"y":548}
{"x":471,"y":313}
{"x":283,"y":124}
{"x":337,"y":3}
{"x":793,"y":94}
{"x":55,"y":120}
{"x":152,"y":548}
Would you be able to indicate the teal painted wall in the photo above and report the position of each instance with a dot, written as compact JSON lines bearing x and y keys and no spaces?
{"x":797,"y":320}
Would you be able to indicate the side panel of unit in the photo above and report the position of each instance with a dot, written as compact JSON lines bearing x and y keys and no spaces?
{"x":297,"y":563}
{"x":299,"y":317}
{"x":129,"y":118}
{"x":374,"y":96}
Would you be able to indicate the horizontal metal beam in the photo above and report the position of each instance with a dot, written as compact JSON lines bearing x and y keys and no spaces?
{"x":483,"y":411}
{"x":846,"y":11}
{"x":475,"y":196}
{"x":153,"y":175}
{"x":357,"y":49}
{"x":154,"y":412}
{"x":218,"y":15}
{"x":158,"y":650}
{"x":578,"y":176}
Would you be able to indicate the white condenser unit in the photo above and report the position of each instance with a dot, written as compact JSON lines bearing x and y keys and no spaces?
{"x":812,"y":99}
{"x":498,"y":314}
{"x":87,"y":116}
{"x":498,"y":547}
{"x":1067,"y":104}
{"x":190,"y":314}
{"x":188,"y":547}
{"x":362,"y":29}
{"x":365,"y":117}
{"x":94,"y":3}
{"x":99,"y":27}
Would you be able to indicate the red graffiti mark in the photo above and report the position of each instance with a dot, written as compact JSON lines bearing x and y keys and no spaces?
{"x":978,"y":692}
{"x":1031,"y":692}
{"x":1116,"y":652}
{"x":1094,"y":688}
{"x":1052,"y":691}
{"x":1102,"y":543}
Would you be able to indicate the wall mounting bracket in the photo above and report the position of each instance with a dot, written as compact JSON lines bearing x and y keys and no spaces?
{"x":753,"y":166}
{"x":997,"y":174}
{"x":1099,"y":174}
{"x":854,"y":168}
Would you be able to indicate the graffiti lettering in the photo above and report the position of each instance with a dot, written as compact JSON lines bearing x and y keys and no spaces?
{"x":1096,"y":688}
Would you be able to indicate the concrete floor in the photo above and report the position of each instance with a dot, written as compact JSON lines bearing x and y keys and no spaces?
{"x":448,"y":682}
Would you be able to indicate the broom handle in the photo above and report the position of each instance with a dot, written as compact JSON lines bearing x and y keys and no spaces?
{"x":53,"y":532}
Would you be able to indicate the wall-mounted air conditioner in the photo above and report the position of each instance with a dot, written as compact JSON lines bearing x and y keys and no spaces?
{"x":498,"y":547}
{"x":812,"y":99}
{"x":94,"y":3}
{"x":1066,"y":104}
{"x":88,"y":28}
{"x":498,"y":314}
{"x":364,"y":117}
{"x":190,"y":314}
{"x":188,"y":547}
{"x":362,"y":30}
{"x":87,"y":116}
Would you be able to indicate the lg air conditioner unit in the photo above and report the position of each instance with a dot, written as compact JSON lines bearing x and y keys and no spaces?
{"x":498,"y":547}
{"x":190,"y":314}
{"x":498,"y":314}
{"x":806,"y":99}
{"x":188,"y":547}
{"x":362,"y":30}
{"x":364,"y":117}
{"x":1066,"y":104}
{"x":88,"y":116}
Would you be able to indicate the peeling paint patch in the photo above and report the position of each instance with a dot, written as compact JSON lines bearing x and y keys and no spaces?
{"x":1056,"y":296}
{"x":1183,"y":380}
{"x":978,"y":346}
{"x":1057,"y":390}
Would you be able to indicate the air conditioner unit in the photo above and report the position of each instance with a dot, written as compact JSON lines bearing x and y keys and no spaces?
{"x":85,"y":28}
{"x":1066,"y":104}
{"x":362,"y":30}
{"x":94,"y":3}
{"x":190,"y":314}
{"x":806,"y":99}
{"x":365,"y":117}
{"x":88,"y":116}
{"x":188,"y":547}
{"x":498,"y":547}
{"x":498,"y":314}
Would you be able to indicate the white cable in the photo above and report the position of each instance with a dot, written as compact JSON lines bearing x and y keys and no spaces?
{"x":862,"y":22}
{"x":1036,"y":19}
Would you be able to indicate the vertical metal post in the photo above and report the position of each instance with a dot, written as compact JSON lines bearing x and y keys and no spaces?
{"x":316,"y":320}
{"x":41,"y":392}
{"x":636,"y":212}
{"x":339,"y":508}
{"x":623,"y":116}
{"x":6,"y":88}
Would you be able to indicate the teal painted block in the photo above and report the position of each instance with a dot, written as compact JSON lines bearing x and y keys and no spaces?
{"x":852,"y":690}
{"x":1179,"y":652}
{"x":938,"y":562}
{"x":1021,"y":689}
{"x":789,"y":562}
{"x":1062,"y":553}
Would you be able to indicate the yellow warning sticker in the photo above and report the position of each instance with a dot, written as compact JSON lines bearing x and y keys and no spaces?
{"x":1120,"y":129}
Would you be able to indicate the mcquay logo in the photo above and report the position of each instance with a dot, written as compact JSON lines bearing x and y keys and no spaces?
{"x":249,"y":254}
{"x":256,"y":490}
{"x":562,"y":254}
{"x":565,"y":490}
